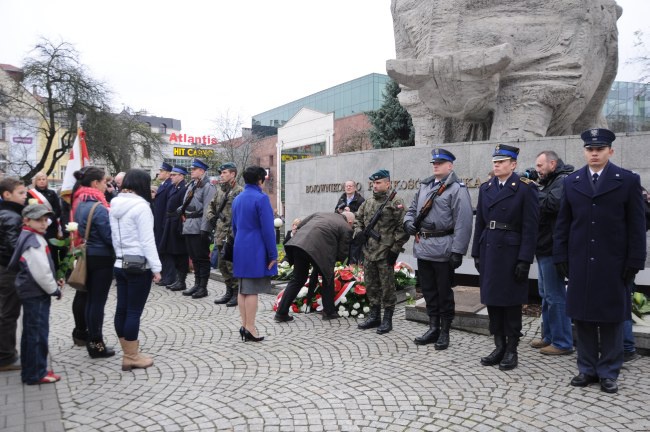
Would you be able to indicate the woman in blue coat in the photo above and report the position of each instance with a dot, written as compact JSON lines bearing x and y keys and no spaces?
{"x":505,"y":238}
{"x":255,"y":252}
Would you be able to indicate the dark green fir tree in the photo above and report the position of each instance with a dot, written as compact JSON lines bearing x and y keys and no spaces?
{"x":391,"y":123}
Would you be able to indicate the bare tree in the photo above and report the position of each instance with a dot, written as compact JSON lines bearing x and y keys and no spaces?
{"x":354,"y":140}
{"x":643,"y":59}
{"x":61,"y":89}
{"x":234,"y":145}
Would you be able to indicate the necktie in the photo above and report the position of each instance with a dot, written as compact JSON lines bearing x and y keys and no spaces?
{"x":595,"y":177}
{"x":500,"y":186}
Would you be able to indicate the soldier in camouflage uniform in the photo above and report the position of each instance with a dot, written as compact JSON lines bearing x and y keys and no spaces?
{"x":220,"y":218}
{"x":380,"y":255}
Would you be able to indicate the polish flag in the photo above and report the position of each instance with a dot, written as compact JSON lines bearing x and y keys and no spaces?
{"x":78,"y":159}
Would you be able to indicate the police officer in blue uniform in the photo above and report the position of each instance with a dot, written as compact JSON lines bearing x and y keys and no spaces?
{"x":600,"y":245}
{"x":173,"y":243}
{"x":168,"y":272}
{"x":505,"y":238}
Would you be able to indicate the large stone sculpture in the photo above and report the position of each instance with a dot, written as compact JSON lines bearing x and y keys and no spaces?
{"x":503,"y":69}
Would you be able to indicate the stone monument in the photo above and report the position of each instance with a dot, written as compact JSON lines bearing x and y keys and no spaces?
{"x":503,"y":69}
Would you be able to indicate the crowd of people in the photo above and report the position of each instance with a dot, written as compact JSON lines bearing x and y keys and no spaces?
{"x":584,"y":226}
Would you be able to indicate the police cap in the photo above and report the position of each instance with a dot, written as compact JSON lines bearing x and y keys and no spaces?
{"x":165,"y":166}
{"x":442,"y":155}
{"x":598,"y":137}
{"x":503,"y":152}
{"x":198,"y":163}
{"x":179,"y":169}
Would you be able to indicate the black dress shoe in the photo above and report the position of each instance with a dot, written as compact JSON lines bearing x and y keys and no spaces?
{"x":583,"y":380}
{"x":283,"y":318}
{"x":608,"y":385}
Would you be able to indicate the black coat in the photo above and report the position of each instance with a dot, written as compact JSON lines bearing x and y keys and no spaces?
{"x":550,"y":195}
{"x":354,"y":205}
{"x":160,"y":209}
{"x":499,"y":250}
{"x":52,"y":198}
{"x":172,"y":240}
{"x":599,"y":233}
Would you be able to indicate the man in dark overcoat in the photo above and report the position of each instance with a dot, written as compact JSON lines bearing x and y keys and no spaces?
{"x":172,"y":242}
{"x":505,"y":237}
{"x":168,"y":272}
{"x":600,"y":245}
{"x":320,"y":240}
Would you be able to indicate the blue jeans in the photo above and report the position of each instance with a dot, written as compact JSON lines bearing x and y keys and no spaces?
{"x":132,"y":293}
{"x":33,"y":344}
{"x":556,"y":325}
{"x":628,"y":337}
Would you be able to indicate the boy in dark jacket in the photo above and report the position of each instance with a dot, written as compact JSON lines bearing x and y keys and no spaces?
{"x":35,"y":283}
{"x":13,"y":194}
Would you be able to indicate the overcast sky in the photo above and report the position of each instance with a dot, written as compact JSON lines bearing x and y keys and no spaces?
{"x":196,"y":60}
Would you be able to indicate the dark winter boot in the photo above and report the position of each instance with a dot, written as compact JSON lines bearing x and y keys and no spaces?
{"x":233,"y":299}
{"x":387,"y":324}
{"x":226,"y":297}
{"x":443,"y":340}
{"x":80,"y":337}
{"x":179,"y":285}
{"x":203,"y":289}
{"x":373,"y":320}
{"x":495,"y":356}
{"x":431,"y":335}
{"x":195,"y":288}
{"x":509,"y":360}
{"x":98,"y":349}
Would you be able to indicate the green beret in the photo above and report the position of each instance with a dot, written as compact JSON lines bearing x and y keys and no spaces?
{"x":228,"y":166}
{"x":381,"y":174}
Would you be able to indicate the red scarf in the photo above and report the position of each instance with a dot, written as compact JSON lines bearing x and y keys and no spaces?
{"x":85,"y":193}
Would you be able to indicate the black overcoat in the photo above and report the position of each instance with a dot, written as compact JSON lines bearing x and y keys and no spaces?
{"x":598,"y":233}
{"x":160,"y":209}
{"x":172,"y":240}
{"x":499,"y":250}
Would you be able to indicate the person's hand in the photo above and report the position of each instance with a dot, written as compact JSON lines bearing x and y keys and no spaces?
{"x":271,"y":264}
{"x":156,"y":277}
{"x":521,"y":271}
{"x":57,"y":294}
{"x":477,"y":263}
{"x":60,"y":282}
{"x":629,"y":274}
{"x":562,"y":269}
{"x":391,"y":258}
{"x":455,"y":260}
{"x":409,"y":227}
{"x":360,"y":239}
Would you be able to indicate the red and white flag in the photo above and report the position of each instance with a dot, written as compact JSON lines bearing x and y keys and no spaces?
{"x":78,"y":159}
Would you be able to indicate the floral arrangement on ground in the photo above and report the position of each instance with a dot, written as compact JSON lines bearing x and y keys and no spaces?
{"x":349,"y":290}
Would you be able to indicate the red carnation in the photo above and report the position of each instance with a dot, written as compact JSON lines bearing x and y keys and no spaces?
{"x":295,"y":308}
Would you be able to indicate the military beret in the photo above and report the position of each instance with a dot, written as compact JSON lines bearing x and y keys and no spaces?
{"x":165,"y":166}
{"x":381,"y":174}
{"x":198,"y":163}
{"x":503,"y":152}
{"x":442,"y":155}
{"x":598,"y":137}
{"x":179,"y":169}
{"x":227,"y":166}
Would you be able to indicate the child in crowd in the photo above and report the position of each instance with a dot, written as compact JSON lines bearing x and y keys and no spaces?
{"x":35,"y":283}
{"x":13,"y":194}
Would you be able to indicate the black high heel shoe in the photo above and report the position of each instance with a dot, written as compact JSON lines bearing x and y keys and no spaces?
{"x":249,"y":336}
{"x":242,"y":331}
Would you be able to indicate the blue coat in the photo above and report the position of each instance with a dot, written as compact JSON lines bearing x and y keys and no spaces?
{"x":599,"y":233}
{"x":499,"y":250}
{"x":252,"y":226}
{"x":100,"y":241}
{"x":160,"y":210}
{"x":172,"y":240}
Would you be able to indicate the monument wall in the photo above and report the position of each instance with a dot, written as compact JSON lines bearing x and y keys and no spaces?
{"x":313,"y":185}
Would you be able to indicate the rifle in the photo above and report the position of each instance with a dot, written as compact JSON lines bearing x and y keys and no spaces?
{"x":188,"y":199}
{"x":369,"y":230}
{"x":428,"y":204}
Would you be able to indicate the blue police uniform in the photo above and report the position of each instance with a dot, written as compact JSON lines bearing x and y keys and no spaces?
{"x":172,"y":242}
{"x":168,"y":273}
{"x":600,"y":240}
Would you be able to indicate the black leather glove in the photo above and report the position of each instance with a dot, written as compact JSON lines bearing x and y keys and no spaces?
{"x":179,"y":211}
{"x":629,"y":274}
{"x":455,"y":260}
{"x":409,"y":227}
{"x":360,"y":239}
{"x":391,"y":258}
{"x":476,"y":265}
{"x":563,"y":269}
{"x":206,"y":236}
{"x":521,"y":271}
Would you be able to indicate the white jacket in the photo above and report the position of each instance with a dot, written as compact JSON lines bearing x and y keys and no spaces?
{"x":133,"y":235}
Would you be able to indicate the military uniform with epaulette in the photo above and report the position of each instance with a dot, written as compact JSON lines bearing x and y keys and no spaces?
{"x":220,"y":218}
{"x":440,"y":218}
{"x":380,"y":254}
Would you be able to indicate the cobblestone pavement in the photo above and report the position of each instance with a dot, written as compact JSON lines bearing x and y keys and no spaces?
{"x":309,"y":375}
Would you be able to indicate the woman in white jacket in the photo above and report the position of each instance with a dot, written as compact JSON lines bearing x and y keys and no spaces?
{"x":132,"y":232}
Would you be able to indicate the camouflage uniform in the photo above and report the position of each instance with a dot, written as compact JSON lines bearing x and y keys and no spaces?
{"x":223,"y":228}
{"x":379,"y":275}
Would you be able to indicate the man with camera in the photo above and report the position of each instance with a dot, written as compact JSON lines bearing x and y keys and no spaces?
{"x":557,"y":338}
{"x":350,"y":200}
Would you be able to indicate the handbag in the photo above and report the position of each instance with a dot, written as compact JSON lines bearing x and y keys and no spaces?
{"x":79,"y":274}
{"x":132,"y":264}
{"x":227,"y":249}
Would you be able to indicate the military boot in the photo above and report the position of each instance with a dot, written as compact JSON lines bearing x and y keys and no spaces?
{"x":495,"y":356}
{"x":233,"y":299}
{"x":225,"y":298}
{"x":179,"y":285}
{"x":509,"y":360}
{"x":387,"y":324}
{"x":203,"y":289}
{"x":431,"y":335}
{"x":373,"y":320}
{"x":195,"y":288}
{"x":443,"y":341}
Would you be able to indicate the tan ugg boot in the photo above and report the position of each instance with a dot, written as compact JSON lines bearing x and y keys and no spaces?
{"x":132,"y":357}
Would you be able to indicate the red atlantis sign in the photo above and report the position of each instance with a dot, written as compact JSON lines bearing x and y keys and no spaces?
{"x":189,"y":139}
